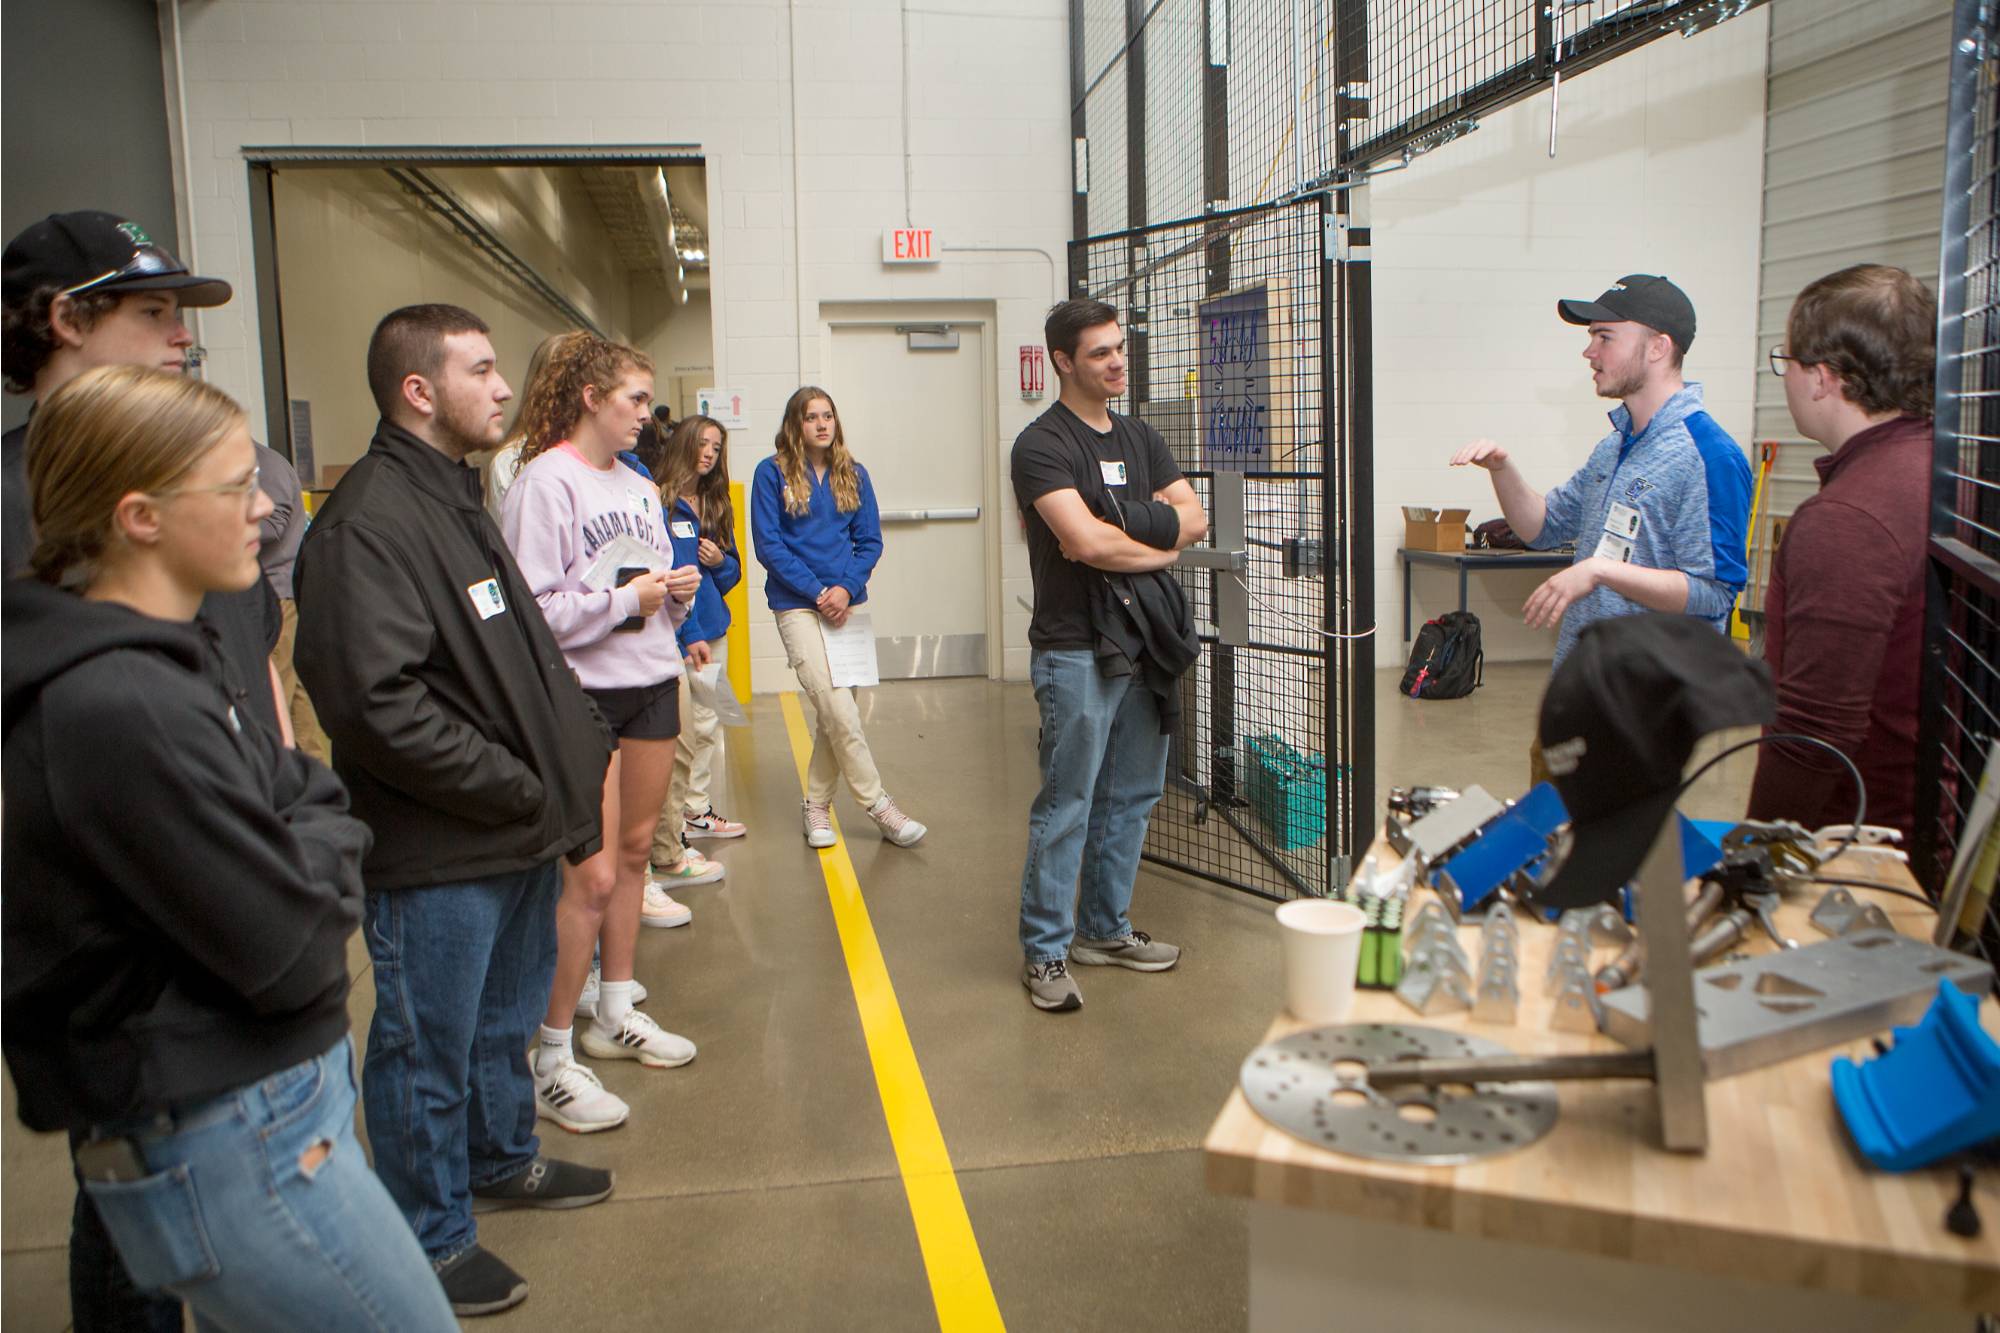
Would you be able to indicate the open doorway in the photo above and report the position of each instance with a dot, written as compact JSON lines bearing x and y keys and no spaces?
{"x":534,"y":241}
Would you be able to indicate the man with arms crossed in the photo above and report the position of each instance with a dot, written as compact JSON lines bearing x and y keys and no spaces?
{"x":1103,"y":749}
{"x":1658,"y":513}
{"x":1844,"y":614}
{"x":473,"y":754}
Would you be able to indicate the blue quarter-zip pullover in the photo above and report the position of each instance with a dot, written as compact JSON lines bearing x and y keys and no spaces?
{"x":805,"y":554}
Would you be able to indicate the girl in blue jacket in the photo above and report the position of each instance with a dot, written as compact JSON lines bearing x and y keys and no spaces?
{"x":694,"y":485}
{"x":816,"y":532}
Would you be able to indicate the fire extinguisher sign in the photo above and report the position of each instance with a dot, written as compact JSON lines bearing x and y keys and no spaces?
{"x":1032,"y":364}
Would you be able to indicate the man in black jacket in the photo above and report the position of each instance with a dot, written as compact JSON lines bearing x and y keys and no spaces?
{"x":473,"y":754}
{"x":1106,"y":511}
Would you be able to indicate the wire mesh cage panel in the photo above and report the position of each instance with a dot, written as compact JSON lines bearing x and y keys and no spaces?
{"x":1230,"y":355}
{"x":1961,"y":713}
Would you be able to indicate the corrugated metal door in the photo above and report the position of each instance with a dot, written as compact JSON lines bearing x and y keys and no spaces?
{"x":1853,"y":168}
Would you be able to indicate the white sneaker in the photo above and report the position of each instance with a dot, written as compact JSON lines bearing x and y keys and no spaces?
{"x":572,"y":1097}
{"x":693,"y":868}
{"x":661,"y":909}
{"x":638,"y":1038}
{"x":819,"y":824}
{"x":586,"y":1003}
{"x":896,"y":826}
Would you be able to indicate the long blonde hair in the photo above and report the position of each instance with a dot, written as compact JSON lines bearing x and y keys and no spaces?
{"x":791,"y":446}
{"x":102,"y":436}
{"x":538,"y":370}
{"x":680,"y":471}
{"x":555,"y":401}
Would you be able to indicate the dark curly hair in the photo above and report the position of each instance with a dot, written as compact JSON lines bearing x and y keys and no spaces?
{"x":26,"y":340}
{"x":1874,"y":326}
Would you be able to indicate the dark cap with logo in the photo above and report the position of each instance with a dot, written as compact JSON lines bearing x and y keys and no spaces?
{"x":1622,"y":714}
{"x":98,"y":252}
{"x":1643,"y":299}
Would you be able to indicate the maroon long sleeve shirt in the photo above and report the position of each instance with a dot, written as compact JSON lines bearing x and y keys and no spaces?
{"x":1844,"y":633}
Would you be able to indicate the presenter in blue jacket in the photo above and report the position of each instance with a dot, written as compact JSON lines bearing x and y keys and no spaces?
{"x":815,"y":528}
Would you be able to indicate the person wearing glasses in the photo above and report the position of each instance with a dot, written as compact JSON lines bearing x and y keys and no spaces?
{"x":83,"y":290}
{"x":1844,"y":611}
{"x":1659,"y":512}
{"x":175,"y":928}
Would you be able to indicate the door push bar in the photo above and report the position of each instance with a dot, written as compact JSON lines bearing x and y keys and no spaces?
{"x":1228,"y":557}
{"x":968,"y":514}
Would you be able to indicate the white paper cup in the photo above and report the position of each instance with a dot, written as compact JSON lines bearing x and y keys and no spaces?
{"x":1322,"y":947}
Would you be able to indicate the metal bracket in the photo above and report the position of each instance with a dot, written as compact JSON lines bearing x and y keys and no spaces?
{"x":1839,"y":913}
{"x":1228,"y":556}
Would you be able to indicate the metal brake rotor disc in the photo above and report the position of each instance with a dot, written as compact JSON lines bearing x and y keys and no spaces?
{"x":1314,"y":1086}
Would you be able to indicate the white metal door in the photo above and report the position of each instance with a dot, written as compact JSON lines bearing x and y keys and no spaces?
{"x":916,"y":420}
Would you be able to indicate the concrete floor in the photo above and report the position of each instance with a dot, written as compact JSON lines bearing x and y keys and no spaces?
{"x":757,"y":1187}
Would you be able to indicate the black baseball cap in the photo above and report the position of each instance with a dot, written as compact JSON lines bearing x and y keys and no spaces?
{"x":1643,"y":299}
{"x":1620,"y":718}
{"x":99,"y":252}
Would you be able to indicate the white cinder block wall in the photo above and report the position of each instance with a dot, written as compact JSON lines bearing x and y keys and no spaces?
{"x":795,"y":220}
{"x":1659,"y":169}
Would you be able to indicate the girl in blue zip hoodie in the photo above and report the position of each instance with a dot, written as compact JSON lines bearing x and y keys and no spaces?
{"x":814,"y":526}
{"x":694,"y":487}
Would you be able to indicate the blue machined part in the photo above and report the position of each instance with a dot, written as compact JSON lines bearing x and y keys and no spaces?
{"x":1512,"y":843}
{"x":1933,"y":1093}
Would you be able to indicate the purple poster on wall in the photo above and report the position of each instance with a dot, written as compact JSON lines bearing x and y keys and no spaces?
{"x":1236,"y":381}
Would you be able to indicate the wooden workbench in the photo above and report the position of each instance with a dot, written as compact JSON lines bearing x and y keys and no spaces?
{"x":1781,"y":1225}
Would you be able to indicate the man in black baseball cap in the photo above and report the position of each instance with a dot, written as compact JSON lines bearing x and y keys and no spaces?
{"x":1657,"y":515}
{"x":78,"y":291}
{"x":82,"y":290}
{"x":1620,"y":718}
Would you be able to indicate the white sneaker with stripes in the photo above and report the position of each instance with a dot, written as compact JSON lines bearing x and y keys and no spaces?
{"x":636,"y":1037}
{"x":571,"y":1096}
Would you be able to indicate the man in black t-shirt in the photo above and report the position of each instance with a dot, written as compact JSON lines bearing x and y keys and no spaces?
{"x":1101,"y":497}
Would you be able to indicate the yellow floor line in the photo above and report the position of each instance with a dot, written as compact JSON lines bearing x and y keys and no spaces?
{"x":959,"y":1285}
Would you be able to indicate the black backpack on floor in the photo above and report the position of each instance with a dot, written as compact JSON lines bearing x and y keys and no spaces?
{"x":1446,"y":661}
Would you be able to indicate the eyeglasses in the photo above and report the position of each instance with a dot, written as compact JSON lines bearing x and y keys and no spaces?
{"x":245,"y":490}
{"x":1778,"y":358}
{"x":148,"y":261}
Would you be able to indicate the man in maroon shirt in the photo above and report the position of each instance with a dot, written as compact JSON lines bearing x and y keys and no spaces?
{"x":1844,"y":613}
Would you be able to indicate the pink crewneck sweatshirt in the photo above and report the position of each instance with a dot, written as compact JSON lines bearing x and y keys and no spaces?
{"x":556,"y":516}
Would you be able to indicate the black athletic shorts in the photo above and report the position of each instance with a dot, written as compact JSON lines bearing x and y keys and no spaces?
{"x":642,"y":713}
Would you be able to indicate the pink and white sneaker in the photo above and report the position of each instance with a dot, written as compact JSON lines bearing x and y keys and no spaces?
{"x":708,"y":824}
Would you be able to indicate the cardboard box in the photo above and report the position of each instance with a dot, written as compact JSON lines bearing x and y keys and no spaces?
{"x":1426,"y":529}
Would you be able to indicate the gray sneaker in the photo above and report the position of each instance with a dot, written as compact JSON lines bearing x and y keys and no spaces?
{"x":1050,"y":987}
{"x":1138,"y":951}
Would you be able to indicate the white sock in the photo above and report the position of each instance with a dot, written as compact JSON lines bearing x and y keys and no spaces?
{"x":552,"y":1048}
{"x":614,"y":1001}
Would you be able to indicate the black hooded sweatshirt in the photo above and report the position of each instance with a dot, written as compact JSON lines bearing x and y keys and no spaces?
{"x":179,"y":885}
{"x":456,"y":723}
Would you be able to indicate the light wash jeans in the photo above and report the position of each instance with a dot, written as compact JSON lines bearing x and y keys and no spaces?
{"x":1104,"y":761}
{"x":462,"y":975}
{"x":235,"y":1222}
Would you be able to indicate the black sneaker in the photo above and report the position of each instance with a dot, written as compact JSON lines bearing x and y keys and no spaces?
{"x":477,"y":1282}
{"x":547,"y":1183}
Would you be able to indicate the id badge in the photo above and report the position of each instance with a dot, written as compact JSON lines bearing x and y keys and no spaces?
{"x":486,"y":598}
{"x":1614,"y":547}
{"x":1113,"y":473}
{"x":684,"y":529}
{"x":642,"y":501}
{"x":1623,"y":521}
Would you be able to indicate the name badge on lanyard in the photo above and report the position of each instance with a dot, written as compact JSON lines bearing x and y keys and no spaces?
{"x":1113,"y":473}
{"x":1621,"y":529}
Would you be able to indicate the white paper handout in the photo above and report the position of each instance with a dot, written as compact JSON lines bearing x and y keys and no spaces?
{"x":711,"y":688}
{"x":621,"y":552}
{"x":850,"y":651}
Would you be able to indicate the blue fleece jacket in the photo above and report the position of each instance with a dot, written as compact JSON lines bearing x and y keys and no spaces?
{"x":708,"y":618}
{"x":805,"y":554}
{"x":1683,"y":488}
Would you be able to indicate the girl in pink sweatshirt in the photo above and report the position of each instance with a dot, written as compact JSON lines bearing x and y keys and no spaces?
{"x":588,"y":534}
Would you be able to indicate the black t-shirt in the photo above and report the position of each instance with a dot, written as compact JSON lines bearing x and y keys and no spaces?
{"x":1059,"y":452}
{"x":247,"y":623}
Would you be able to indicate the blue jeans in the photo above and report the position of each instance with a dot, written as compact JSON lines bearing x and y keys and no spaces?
{"x":1104,"y":761}
{"x":462,"y":975}
{"x":260,"y":1212}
